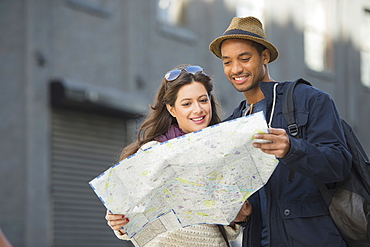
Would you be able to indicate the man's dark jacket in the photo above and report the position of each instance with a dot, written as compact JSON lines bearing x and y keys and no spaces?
{"x":296,"y":212}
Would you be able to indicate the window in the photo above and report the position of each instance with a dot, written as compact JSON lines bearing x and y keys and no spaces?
{"x":317,"y":39}
{"x":254,"y":8}
{"x":365,"y":49}
{"x":92,"y":7}
{"x":173,"y":21}
{"x":171,"y":12}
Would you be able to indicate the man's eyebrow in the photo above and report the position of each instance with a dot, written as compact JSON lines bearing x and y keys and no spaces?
{"x":241,"y":54}
{"x":244,"y":53}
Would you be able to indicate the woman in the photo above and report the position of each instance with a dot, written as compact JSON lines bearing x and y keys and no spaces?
{"x":183,"y":104}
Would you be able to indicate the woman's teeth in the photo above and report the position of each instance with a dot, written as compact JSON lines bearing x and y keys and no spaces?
{"x":197,"y":119}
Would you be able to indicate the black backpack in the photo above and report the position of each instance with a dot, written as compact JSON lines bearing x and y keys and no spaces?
{"x":349,"y":201}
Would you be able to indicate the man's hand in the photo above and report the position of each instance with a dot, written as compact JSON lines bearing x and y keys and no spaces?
{"x":279,"y":144}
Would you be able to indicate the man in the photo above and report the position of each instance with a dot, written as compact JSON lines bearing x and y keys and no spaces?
{"x":289,"y":210}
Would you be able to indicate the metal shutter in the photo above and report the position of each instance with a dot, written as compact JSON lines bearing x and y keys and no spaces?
{"x":83,"y":146}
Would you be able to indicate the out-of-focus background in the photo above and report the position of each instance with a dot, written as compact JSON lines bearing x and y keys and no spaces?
{"x":75,"y":74}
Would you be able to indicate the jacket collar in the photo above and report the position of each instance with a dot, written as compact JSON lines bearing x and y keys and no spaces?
{"x":267,"y":90}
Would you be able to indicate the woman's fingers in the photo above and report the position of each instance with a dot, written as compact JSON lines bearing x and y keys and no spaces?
{"x":116,"y":221}
{"x":117,"y":224}
{"x":110,"y":216}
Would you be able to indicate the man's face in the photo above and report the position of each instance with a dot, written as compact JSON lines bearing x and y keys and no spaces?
{"x":243,"y":66}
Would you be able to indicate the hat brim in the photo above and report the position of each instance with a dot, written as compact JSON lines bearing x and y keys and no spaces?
{"x":215,"y":46}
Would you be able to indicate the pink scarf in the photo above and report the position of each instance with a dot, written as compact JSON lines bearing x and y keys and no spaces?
{"x":173,"y":132}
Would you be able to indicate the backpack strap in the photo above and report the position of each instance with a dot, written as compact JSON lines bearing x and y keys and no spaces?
{"x":289,"y":115}
{"x":288,"y":106}
{"x":223,"y":233}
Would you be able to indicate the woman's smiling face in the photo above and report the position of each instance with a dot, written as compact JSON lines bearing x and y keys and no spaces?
{"x":192,"y":108}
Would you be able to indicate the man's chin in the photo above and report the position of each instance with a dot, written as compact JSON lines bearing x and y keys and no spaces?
{"x":241,"y":88}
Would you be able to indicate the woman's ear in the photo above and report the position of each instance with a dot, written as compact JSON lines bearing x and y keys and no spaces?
{"x":171,"y":110}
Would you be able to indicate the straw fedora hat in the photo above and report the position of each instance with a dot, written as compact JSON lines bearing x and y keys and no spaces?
{"x":249,"y":28}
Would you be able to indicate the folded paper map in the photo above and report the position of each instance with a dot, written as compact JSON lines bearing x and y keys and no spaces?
{"x":199,"y":178}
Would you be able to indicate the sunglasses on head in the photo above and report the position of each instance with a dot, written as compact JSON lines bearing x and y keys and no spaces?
{"x":174,"y":74}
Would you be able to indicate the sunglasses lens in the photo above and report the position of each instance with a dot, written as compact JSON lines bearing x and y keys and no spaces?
{"x":194,"y":69}
{"x":172,"y":75}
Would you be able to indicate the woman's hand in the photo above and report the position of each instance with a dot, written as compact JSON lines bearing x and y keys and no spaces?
{"x":116,"y":221}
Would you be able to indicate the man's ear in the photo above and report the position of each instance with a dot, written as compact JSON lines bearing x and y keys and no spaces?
{"x":266,"y":56}
{"x":171,"y":110}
